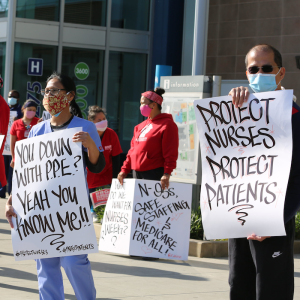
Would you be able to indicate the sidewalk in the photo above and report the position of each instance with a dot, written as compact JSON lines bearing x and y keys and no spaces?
{"x":121,"y":277}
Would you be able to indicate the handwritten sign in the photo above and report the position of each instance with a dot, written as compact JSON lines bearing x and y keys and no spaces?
{"x":6,"y":150}
{"x":100,"y":197}
{"x":142,"y":219}
{"x":246,"y":157}
{"x":50,"y":198}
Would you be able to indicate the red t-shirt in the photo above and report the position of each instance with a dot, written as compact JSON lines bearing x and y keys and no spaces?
{"x":111,"y":145}
{"x":18,"y":128}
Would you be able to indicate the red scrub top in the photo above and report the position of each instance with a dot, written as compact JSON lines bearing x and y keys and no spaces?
{"x":18,"y":128}
{"x":111,"y":145}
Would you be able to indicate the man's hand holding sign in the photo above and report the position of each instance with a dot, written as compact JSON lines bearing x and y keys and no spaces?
{"x":246,"y":156}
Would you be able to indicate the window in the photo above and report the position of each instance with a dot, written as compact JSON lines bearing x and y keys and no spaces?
{"x":44,"y":61}
{"x":86,"y":12}
{"x":85,"y":67}
{"x":3,"y":8}
{"x":126,"y":81}
{"x":130,"y":14}
{"x":47,"y":10}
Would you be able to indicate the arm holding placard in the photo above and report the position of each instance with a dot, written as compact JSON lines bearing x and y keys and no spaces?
{"x":239,"y":95}
{"x":9,"y":211}
{"x":13,"y":140}
{"x":170,"y":144}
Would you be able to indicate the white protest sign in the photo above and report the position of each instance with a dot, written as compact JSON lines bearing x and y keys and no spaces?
{"x":46,"y":115}
{"x":50,"y":198}
{"x":246,"y":158}
{"x":6,"y":150}
{"x":1,"y":139}
{"x":141,"y":219}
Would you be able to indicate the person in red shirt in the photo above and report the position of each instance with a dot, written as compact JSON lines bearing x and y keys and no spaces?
{"x":154,"y":146}
{"x":4,"y":120}
{"x":112,"y":150}
{"x":20,"y":128}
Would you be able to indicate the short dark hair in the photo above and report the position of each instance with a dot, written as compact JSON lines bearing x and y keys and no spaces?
{"x":266,"y":48}
{"x":70,"y":86}
{"x":15,"y":91}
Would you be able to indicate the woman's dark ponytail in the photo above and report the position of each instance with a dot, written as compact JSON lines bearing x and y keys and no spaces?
{"x":70,"y":86}
{"x":75,"y":109}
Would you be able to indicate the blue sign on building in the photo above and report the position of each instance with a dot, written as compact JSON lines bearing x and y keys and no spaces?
{"x":35,"y":67}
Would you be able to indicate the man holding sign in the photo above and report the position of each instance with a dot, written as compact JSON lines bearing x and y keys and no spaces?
{"x":52,"y":223}
{"x":262,"y":267}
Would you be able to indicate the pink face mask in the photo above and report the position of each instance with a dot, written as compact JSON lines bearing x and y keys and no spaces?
{"x":29,"y":114}
{"x":101,"y":126}
{"x":145,"y":110}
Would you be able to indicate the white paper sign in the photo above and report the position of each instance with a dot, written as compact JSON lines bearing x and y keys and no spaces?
{"x":140,"y":219}
{"x":246,"y":157}
{"x":6,"y":150}
{"x":50,"y":197}
{"x":46,"y":115}
{"x":1,"y":139}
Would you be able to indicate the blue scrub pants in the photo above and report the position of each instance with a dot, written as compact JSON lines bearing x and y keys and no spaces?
{"x":78,"y":270}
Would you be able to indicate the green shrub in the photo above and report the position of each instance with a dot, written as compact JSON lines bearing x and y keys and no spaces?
{"x":196,"y":225}
{"x":297,"y":225}
{"x":99,"y":210}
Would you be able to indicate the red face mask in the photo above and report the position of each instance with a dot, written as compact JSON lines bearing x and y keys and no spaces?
{"x":55,"y":104}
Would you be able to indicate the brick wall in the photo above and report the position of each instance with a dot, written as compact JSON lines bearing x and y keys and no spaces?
{"x":237,"y":25}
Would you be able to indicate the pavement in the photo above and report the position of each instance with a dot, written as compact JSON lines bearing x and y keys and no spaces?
{"x":121,"y":277}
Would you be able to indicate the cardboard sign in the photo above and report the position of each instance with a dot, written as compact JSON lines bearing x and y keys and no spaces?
{"x":143,"y":220}
{"x":6,"y":150}
{"x":246,"y":158}
{"x":100,"y":197}
{"x":50,"y":198}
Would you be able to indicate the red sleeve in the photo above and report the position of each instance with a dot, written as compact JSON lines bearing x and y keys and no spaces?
{"x":170,"y":144}
{"x":126,"y":168}
{"x":116,"y":147}
{"x":13,"y":129}
{"x":4,"y":120}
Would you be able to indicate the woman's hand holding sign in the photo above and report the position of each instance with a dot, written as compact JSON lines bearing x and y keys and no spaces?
{"x":88,"y":143}
{"x":9,"y":211}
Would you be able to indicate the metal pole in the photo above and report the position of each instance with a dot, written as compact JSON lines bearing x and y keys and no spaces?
{"x":106,"y":56}
{"x":200,"y":37}
{"x":216,"y":89}
{"x":149,"y":60}
{"x":10,"y":46}
{"x":60,"y":38}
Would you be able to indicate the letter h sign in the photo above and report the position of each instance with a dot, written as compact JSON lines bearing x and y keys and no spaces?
{"x":35,"y":67}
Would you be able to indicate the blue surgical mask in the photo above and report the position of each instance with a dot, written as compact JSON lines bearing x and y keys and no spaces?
{"x":12,"y":101}
{"x":263,"y":82}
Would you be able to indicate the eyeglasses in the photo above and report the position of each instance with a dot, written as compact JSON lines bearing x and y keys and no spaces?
{"x":265,"y":69}
{"x":53,"y":92}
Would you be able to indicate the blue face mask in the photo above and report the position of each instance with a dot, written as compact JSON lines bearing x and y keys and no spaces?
{"x":12,"y":101}
{"x":57,"y":114}
{"x":263,"y":82}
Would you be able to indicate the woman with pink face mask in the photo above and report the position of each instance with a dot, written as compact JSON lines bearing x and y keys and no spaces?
{"x":20,"y":128}
{"x":112,"y":150}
